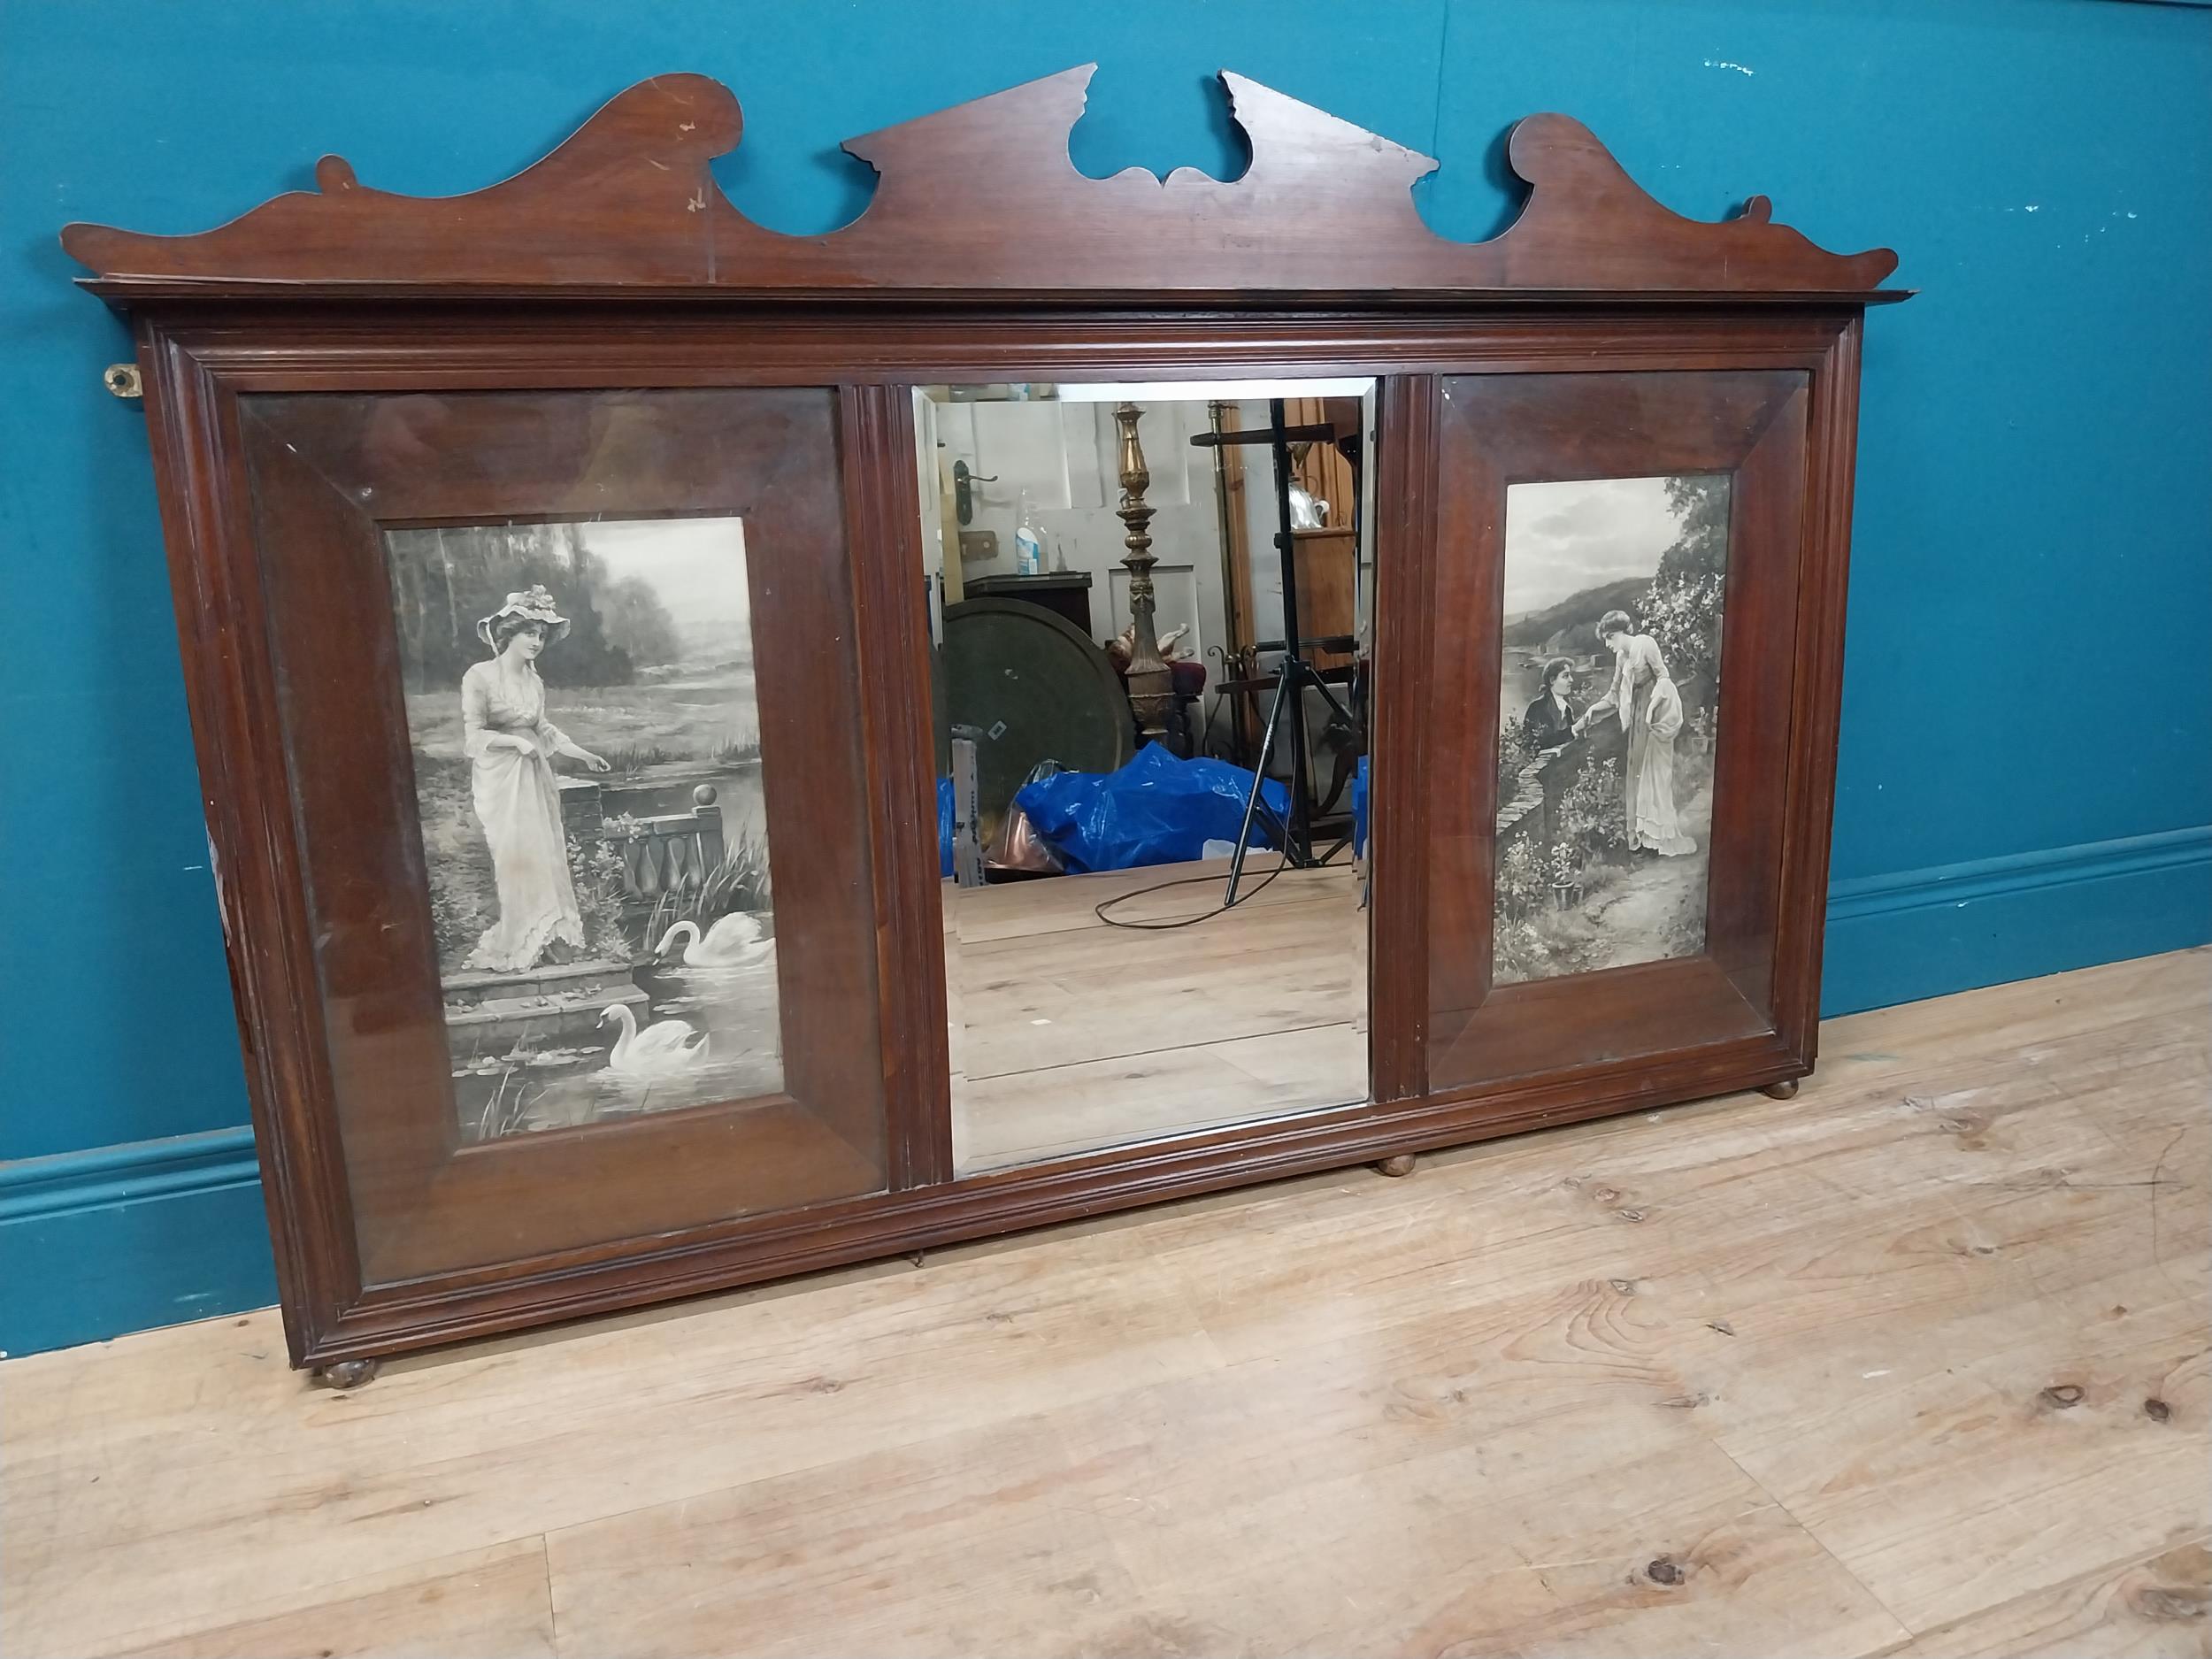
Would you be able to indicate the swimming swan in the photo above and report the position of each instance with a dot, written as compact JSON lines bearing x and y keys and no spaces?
{"x":733,"y":942}
{"x":665,"y":1047}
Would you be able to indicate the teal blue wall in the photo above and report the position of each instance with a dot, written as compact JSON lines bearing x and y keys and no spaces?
{"x":2027,"y":747}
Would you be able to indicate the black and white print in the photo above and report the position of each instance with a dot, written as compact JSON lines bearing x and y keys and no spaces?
{"x":1608,"y":709}
{"x":586,"y":749}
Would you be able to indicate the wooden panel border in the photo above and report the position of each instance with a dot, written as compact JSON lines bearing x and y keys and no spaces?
{"x":1831,"y":448}
{"x":1406,"y":553}
{"x":1501,"y":430}
{"x":260,"y":891}
{"x":883,"y":514}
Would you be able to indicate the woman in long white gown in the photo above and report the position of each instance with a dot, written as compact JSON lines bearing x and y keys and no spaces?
{"x":510,"y":745}
{"x":1650,"y":707}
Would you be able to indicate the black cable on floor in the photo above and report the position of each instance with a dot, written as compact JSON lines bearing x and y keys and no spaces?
{"x":1100,"y":909}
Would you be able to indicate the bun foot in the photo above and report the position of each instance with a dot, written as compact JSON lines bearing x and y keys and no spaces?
{"x":346,"y":1374}
{"x":1786,"y":1089}
{"x":1400,"y":1165}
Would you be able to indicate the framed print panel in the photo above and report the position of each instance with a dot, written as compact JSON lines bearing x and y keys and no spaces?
{"x":1620,"y":560}
{"x":571,"y":724}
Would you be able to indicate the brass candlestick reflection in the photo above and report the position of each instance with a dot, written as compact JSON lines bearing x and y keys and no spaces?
{"x":1151,"y":682}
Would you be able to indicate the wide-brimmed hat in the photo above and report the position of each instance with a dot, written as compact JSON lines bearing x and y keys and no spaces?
{"x":533,"y":604}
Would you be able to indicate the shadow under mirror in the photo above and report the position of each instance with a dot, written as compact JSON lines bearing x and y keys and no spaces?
{"x":1142,"y":597}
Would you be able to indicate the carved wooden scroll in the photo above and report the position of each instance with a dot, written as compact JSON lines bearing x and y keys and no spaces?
{"x":982,"y":198}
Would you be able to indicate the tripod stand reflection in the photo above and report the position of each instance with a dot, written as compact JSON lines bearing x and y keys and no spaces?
{"x":1296,"y":676}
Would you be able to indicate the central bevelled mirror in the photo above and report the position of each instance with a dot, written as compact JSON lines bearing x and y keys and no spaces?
{"x":1141,"y":598}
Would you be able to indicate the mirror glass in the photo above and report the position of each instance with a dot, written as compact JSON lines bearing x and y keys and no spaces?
{"x":1140,"y":597}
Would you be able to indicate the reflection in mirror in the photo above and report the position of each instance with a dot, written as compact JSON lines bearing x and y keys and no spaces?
{"x":1140,"y":597}
{"x":1607,"y":721}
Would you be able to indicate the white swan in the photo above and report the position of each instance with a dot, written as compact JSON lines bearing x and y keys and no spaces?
{"x":665,"y":1047}
{"x":733,"y":942}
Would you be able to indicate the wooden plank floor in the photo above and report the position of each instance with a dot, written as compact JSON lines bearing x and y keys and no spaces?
{"x":1069,"y":1034}
{"x":1915,"y":1364}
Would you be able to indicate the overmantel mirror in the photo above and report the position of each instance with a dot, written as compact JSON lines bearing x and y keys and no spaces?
{"x":730,"y":753}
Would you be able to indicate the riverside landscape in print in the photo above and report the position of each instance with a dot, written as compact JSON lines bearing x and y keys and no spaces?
{"x":1607,"y":711}
{"x":586,"y":739}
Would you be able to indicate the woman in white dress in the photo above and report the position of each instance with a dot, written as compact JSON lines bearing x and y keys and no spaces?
{"x":510,"y":745}
{"x":1650,"y":707}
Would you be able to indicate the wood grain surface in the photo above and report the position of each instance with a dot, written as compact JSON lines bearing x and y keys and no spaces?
{"x":1914,"y":1363}
{"x":980,"y":198}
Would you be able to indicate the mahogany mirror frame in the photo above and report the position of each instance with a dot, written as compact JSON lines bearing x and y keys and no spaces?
{"x":616,"y":268}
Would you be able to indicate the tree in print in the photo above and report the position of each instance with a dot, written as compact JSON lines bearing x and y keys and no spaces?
{"x":1681,"y":609}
